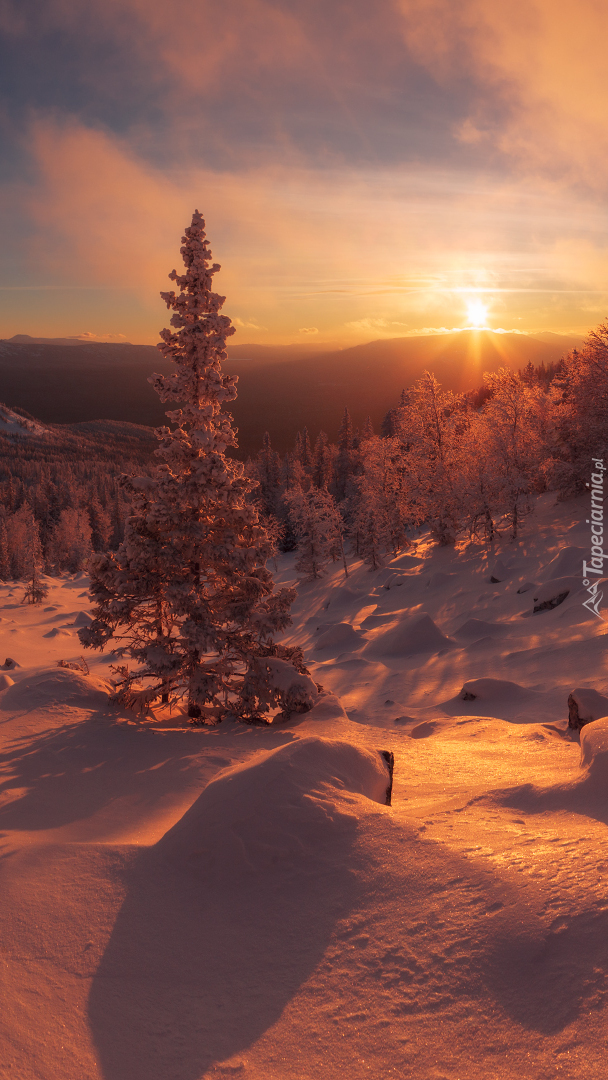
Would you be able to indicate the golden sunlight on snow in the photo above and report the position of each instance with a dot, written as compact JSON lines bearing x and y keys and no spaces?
{"x":190,"y":903}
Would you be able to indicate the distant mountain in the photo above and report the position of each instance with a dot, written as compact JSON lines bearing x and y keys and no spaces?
{"x":369,"y":379}
{"x":263,"y":355}
{"x":281,"y":389}
{"x":26,"y":339}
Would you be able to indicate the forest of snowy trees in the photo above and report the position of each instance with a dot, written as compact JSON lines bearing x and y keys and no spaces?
{"x":463,"y":465}
{"x":460,"y":465}
{"x":178,"y":545}
{"x":60,"y":491}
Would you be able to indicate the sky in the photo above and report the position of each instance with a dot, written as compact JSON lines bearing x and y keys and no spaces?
{"x":365,"y":171}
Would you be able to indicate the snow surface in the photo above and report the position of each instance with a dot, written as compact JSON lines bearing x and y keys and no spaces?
{"x":184,"y":903}
{"x":11,"y":423}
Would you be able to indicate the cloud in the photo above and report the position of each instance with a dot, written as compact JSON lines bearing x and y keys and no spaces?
{"x":371,"y":324}
{"x":247,"y":325}
{"x":89,"y":336}
{"x":308,"y":330}
{"x":301,"y":247}
{"x":541,"y":71}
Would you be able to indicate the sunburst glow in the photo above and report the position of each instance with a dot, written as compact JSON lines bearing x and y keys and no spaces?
{"x":477,"y":313}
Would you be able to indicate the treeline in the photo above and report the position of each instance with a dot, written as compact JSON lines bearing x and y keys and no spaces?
{"x":60,"y":493}
{"x":461,"y":465}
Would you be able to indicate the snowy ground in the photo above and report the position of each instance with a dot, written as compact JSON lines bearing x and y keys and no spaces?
{"x":186,"y":903}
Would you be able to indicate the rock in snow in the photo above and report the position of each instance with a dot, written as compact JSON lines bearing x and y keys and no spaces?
{"x":584,"y":706}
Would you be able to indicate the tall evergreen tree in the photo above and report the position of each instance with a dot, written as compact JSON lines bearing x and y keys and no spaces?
{"x":344,"y":459}
{"x":267,"y":471}
{"x":318,"y":527}
{"x":36,"y":590}
{"x":188,"y":594}
{"x":304,"y":450}
{"x":5,"y":562}
{"x":322,"y":462}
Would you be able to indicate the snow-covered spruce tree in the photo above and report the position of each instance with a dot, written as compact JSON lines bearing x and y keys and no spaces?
{"x":579,"y":414}
{"x":5,"y":562}
{"x":318,"y":527}
{"x":36,"y":590}
{"x":188,"y":596}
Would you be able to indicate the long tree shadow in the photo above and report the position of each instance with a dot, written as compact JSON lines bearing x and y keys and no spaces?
{"x":200,"y":965}
{"x":544,"y":981}
{"x":70,"y":772}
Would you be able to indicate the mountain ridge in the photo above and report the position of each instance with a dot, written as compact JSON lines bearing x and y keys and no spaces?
{"x":98,"y":380}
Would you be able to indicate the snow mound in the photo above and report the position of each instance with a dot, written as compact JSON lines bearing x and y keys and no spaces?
{"x":6,"y":681}
{"x":83,"y":619}
{"x":300,"y":691}
{"x":56,"y":632}
{"x":395,"y":581}
{"x":440,"y":579}
{"x":477,"y":628}
{"x":408,"y":562}
{"x":423,"y":730}
{"x":554,"y":592}
{"x":568,"y":562}
{"x":371,"y":622}
{"x":340,"y":637}
{"x":498,"y":698}
{"x":391,"y":576}
{"x":327,"y":707}
{"x":499,"y":572}
{"x":57,"y":686}
{"x":527,"y":585}
{"x":481,"y":643}
{"x":417,"y":635}
{"x":76,"y":581}
{"x":594,"y":750}
{"x":343,"y":596}
{"x":287,"y":806}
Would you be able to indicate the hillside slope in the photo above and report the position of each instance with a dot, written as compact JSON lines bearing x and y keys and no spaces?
{"x":236,"y":901}
{"x":277,"y":393}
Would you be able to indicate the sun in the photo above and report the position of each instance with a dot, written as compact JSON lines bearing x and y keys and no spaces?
{"x":477,"y":314}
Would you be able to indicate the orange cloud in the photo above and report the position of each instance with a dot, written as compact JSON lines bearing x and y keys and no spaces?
{"x":543,"y":59}
{"x":351,"y":254}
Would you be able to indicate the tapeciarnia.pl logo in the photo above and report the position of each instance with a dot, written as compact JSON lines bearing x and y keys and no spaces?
{"x":596,"y":521}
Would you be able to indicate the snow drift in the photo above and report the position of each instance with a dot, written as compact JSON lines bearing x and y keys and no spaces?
{"x":341,"y":637}
{"x":594,"y":751}
{"x":498,"y":698}
{"x":57,"y":686}
{"x":285,"y":806}
{"x":416,"y":635}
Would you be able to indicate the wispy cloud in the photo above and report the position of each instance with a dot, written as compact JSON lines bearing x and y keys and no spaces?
{"x":541,"y":72}
{"x":359,"y":172}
